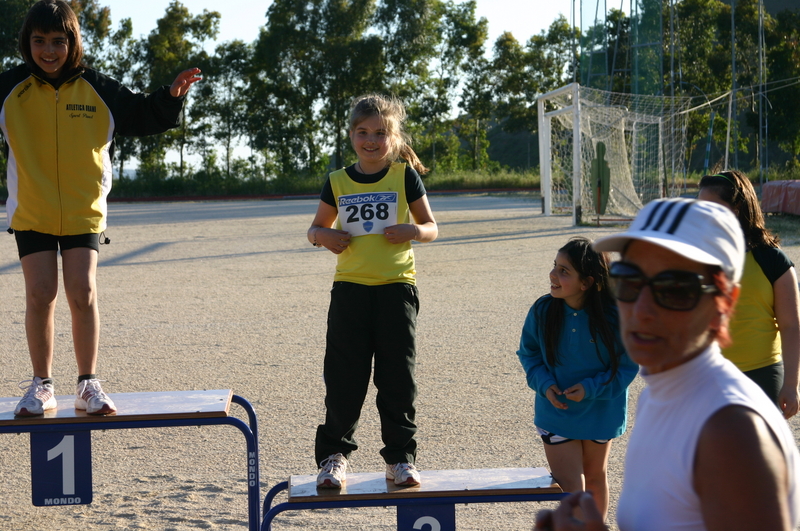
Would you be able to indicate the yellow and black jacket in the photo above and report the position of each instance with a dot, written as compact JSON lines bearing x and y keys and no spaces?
{"x":60,"y":143}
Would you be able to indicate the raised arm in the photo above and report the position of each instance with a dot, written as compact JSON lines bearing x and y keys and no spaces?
{"x":184,"y":82}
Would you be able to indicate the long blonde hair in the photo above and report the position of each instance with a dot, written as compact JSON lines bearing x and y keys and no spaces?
{"x":392,"y":113}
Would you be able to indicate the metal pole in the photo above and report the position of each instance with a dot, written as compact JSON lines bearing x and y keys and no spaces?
{"x":728,"y":139}
{"x":710,"y":126}
{"x":575,"y":42}
{"x":708,"y":142}
{"x":762,"y":137}
{"x":733,"y":77}
{"x":672,"y":74}
{"x":577,"y":168}
{"x":544,"y":159}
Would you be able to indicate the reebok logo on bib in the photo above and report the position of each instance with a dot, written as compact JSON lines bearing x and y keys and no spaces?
{"x":370,"y":213}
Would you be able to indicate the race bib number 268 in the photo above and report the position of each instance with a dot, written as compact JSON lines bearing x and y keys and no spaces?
{"x":370,"y":213}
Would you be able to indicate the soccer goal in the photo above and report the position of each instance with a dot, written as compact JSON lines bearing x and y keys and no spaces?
{"x":604,"y":155}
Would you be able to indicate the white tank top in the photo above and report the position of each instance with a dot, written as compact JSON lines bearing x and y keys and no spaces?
{"x":657,"y":493}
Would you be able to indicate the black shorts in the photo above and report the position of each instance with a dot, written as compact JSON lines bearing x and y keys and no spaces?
{"x":553,"y":439}
{"x":769,"y":379}
{"x":29,"y":242}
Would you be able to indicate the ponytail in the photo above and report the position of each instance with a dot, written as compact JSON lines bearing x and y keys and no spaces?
{"x":412,"y":159}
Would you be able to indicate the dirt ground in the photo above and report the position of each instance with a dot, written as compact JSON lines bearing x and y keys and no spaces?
{"x":230,"y":295}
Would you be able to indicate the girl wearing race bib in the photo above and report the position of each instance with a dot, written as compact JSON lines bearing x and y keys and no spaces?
{"x":573,"y":358}
{"x":368,"y":215}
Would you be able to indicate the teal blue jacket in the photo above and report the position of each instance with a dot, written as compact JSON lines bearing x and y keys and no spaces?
{"x":602,"y":414}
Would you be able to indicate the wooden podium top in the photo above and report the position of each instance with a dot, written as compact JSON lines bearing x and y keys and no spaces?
{"x":130,"y":406}
{"x":435,"y":484}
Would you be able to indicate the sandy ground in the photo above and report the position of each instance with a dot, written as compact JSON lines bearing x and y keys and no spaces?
{"x":219,"y":295}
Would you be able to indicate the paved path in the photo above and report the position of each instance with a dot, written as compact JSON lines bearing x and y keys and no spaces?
{"x":230,"y":295}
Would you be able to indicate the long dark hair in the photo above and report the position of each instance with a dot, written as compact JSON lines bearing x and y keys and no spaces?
{"x":735,"y":188}
{"x":587,"y":263}
{"x":50,"y":16}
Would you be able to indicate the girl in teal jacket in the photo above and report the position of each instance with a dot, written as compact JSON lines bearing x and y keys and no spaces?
{"x":573,"y":358}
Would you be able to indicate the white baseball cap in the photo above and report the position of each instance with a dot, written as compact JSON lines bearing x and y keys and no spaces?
{"x":702,"y":231}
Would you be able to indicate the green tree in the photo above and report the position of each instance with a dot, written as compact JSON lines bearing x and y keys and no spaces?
{"x":351,"y":61}
{"x":12,"y":13}
{"x":523,"y":74}
{"x":221,"y":104}
{"x":285,"y":86}
{"x":95,"y":23}
{"x":478,"y":104}
{"x":748,"y":71}
{"x":618,"y":25}
{"x":122,"y":59}
{"x":704,"y":44}
{"x":515,"y":92}
{"x":647,"y":36}
{"x":409,"y":31}
{"x":784,"y":65}
{"x":705,"y":67}
{"x":460,"y":38}
{"x":176,"y":44}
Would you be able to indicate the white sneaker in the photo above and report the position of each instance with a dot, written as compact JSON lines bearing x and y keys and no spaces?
{"x":403,"y":474}
{"x":332,"y":472}
{"x":38,"y":398}
{"x":90,"y":396}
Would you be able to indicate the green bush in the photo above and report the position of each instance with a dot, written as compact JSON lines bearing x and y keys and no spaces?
{"x":248,"y":179}
{"x":471,"y":180}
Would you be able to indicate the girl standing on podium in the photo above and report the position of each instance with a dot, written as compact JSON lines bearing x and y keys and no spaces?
{"x":59,"y":118}
{"x":368,"y":215}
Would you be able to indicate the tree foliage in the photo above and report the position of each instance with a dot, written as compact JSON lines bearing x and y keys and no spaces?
{"x":784,"y":64}
{"x":286,"y":95}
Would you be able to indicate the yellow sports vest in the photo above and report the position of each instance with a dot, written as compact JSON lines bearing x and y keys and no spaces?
{"x":364,"y":211}
{"x":754,"y":331}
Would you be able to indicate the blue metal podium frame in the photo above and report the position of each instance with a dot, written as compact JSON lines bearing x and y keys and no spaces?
{"x":270,"y":511}
{"x":250,"y":431}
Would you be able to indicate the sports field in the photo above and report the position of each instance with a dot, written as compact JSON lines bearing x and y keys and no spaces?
{"x":230,"y":295}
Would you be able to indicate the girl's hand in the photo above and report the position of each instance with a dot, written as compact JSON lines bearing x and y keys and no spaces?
{"x":405,"y":232}
{"x":788,"y":400}
{"x":552,"y":395}
{"x":333,"y":240}
{"x":184,"y":81}
{"x":563,"y":518}
{"x":576,"y":393}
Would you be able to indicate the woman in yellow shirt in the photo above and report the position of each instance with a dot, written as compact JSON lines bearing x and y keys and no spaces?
{"x":765,"y":329}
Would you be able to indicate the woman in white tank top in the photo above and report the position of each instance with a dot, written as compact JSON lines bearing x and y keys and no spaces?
{"x":708,"y":451}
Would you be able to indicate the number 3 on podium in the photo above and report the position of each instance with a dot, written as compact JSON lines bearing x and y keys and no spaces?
{"x":61,"y":468}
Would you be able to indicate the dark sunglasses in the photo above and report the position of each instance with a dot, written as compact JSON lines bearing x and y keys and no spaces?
{"x":673,"y":290}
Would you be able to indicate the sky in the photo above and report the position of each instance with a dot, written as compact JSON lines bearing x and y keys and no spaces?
{"x":241,"y":19}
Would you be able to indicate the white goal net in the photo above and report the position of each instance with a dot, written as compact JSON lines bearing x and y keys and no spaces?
{"x":641,"y":139}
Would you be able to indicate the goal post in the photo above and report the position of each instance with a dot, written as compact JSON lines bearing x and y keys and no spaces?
{"x":604,"y":155}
